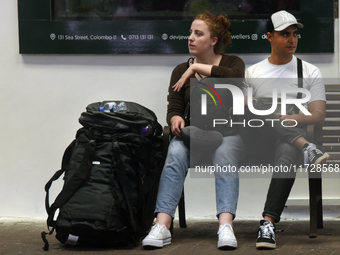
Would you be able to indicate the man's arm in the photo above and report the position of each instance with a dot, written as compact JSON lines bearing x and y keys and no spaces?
{"x":316,"y":108}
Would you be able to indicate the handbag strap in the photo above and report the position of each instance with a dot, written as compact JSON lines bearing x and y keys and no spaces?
{"x":187,"y":108}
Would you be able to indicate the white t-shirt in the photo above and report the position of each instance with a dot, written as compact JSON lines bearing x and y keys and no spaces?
{"x":263,"y":77}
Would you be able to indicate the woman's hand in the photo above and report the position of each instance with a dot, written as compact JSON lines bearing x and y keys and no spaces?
{"x":203,"y":69}
{"x":185,"y":77}
{"x":177,"y":123}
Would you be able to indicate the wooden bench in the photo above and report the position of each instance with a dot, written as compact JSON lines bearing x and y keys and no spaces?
{"x":328,"y":137}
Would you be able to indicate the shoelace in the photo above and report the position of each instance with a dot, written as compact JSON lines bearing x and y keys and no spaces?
{"x":267,"y":231}
{"x":155,"y":230}
{"x":221,"y":229}
{"x":310,"y":152}
{"x":306,"y":157}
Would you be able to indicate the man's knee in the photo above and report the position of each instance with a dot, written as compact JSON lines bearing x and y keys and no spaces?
{"x":287,"y":154}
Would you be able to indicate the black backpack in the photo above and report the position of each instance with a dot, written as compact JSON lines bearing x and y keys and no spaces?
{"x":111,"y":173}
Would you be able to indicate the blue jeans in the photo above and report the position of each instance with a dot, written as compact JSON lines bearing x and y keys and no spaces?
{"x":230,"y":152}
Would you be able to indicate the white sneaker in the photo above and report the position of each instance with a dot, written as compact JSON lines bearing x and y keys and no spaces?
{"x":158,"y":236}
{"x":226,"y":237}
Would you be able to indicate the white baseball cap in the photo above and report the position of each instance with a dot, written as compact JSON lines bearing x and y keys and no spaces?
{"x":281,"y":20}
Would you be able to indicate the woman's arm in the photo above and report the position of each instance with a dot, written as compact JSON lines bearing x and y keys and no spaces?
{"x":177,"y":100}
{"x":202,"y":69}
{"x":230,"y":67}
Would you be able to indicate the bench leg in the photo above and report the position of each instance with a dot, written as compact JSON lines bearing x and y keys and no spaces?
{"x":181,"y":211}
{"x":319,"y":203}
{"x":315,"y":205}
{"x":172,"y":227}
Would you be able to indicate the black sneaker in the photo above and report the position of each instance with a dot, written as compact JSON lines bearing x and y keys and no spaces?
{"x":266,"y":235}
{"x":313,"y":155}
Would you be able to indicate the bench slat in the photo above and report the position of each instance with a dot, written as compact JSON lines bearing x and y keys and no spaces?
{"x":330,"y":132}
{"x":332,"y":88}
{"x":333,"y":97}
{"x":331,"y":148}
{"x":330,"y":114}
{"x":334,"y":157}
{"x":332,"y":106}
{"x":329,"y":139}
{"x":331,"y":123}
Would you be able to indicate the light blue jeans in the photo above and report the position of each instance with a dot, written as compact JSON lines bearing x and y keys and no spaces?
{"x":177,"y":162}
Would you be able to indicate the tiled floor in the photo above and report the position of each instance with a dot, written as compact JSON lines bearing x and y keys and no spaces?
{"x":22,"y":236}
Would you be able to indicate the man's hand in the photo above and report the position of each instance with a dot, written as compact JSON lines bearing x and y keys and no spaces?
{"x":288,"y":118}
{"x":316,"y":108}
{"x":177,"y":123}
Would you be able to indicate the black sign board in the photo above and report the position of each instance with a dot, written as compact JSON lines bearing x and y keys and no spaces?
{"x":58,"y":27}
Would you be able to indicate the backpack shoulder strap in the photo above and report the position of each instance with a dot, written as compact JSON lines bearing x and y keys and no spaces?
{"x":64,"y":162}
{"x":300,"y":76}
{"x":70,"y":188}
{"x":187,"y":108}
{"x":74,"y":183}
